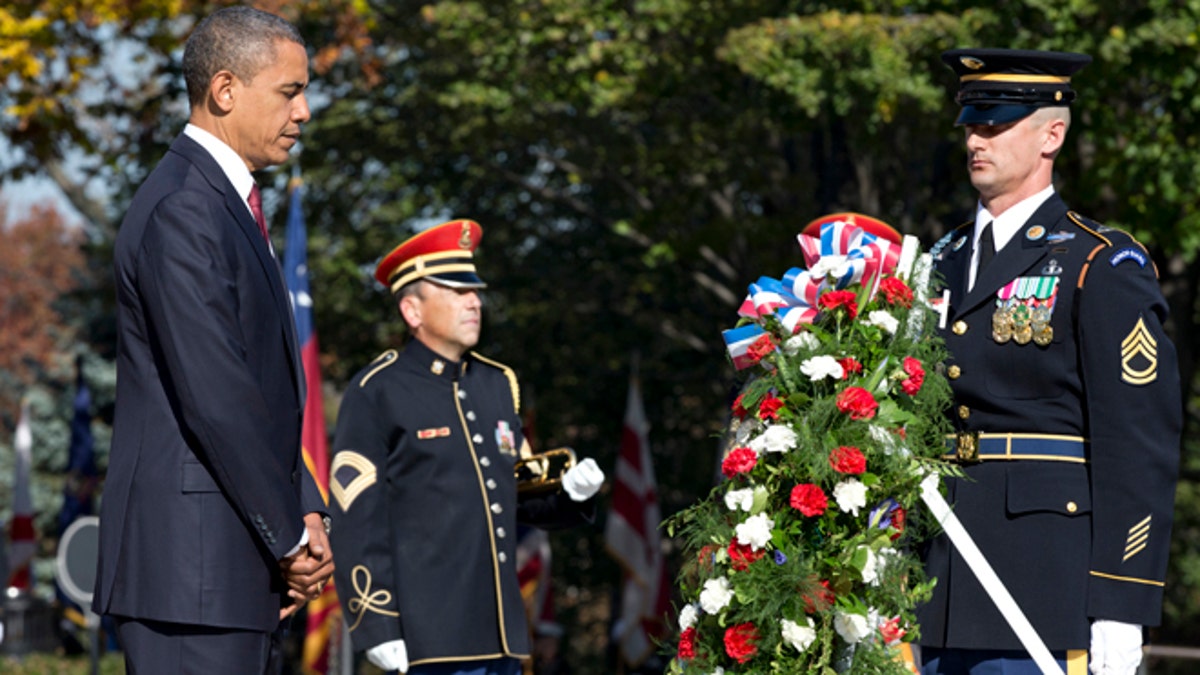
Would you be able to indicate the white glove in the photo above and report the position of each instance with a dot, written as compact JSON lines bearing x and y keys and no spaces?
{"x":1116,"y":648}
{"x":583,"y":480}
{"x":389,"y":656}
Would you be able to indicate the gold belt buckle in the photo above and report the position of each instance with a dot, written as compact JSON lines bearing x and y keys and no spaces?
{"x":966,"y":446}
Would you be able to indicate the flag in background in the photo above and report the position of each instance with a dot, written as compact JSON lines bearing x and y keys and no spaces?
{"x":80,"y":484}
{"x":324,"y":614}
{"x":632,"y":537}
{"x":22,"y":538}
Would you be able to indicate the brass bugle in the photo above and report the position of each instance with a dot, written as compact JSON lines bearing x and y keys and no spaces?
{"x":543,"y":471}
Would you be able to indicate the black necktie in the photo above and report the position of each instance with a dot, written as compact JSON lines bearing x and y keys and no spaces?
{"x":987,"y":249}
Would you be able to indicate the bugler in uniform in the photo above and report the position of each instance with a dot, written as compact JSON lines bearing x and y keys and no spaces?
{"x":1066,"y":401}
{"x":425,"y":502}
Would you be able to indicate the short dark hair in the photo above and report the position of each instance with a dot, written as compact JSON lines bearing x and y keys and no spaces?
{"x":238,"y":39}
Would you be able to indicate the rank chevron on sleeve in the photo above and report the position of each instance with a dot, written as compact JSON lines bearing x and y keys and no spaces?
{"x":1139,"y":343}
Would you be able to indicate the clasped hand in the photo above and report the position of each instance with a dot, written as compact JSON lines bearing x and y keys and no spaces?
{"x":309,"y":569}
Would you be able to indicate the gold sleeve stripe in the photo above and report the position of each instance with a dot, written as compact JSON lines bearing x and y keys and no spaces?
{"x":1132,"y":580}
{"x":1139,"y":534}
{"x":512,"y":379}
{"x":384,"y":360}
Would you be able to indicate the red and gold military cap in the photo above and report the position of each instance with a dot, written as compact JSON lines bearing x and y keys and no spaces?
{"x":872,"y":225}
{"x":443,"y":254}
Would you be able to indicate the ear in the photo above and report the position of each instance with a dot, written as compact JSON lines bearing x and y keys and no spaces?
{"x":1055,"y":135}
{"x":410,"y":310}
{"x":223,"y":88}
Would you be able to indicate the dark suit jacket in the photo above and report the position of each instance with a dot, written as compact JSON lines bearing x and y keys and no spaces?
{"x":206,"y":489}
{"x":1072,"y":538}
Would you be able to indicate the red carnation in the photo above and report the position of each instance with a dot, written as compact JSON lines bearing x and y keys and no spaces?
{"x":896,"y":292}
{"x":891,"y":632}
{"x":843,"y":299}
{"x":857,"y":402}
{"x":898,"y":516}
{"x":741,"y":641}
{"x":739,"y":411}
{"x":819,"y":598}
{"x":809,"y":499}
{"x":741,"y":555}
{"x":769,"y":408}
{"x":847,"y":459}
{"x":850,"y":366}
{"x":687,"y":644}
{"x":760,"y":348}
{"x":739,"y":460}
{"x":916,"y":376}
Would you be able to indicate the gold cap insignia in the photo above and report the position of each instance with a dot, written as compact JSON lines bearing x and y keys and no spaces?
{"x":971,"y":62}
{"x":464,"y":240}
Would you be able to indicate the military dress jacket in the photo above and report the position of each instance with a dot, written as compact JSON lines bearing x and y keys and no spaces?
{"x":1068,"y":407}
{"x":425,"y":507}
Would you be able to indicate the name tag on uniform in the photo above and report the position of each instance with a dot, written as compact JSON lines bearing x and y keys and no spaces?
{"x":440,"y":432}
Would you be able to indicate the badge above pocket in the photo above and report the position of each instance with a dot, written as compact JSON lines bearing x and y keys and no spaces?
{"x":1024,"y":307}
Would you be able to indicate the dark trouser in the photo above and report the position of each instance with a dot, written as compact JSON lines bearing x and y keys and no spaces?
{"x":937,"y":661}
{"x":157,"y":647}
{"x":505,"y":666}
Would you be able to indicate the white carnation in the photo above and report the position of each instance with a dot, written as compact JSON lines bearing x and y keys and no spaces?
{"x":884,"y":320}
{"x":872,"y":568}
{"x":852,"y":627}
{"x":803,"y":340}
{"x":716,"y":595}
{"x":820,"y":367}
{"x":739,"y":499}
{"x":851,"y":495}
{"x":688,"y":616}
{"x":755,"y":532}
{"x":797,"y":635}
{"x":776,"y":438}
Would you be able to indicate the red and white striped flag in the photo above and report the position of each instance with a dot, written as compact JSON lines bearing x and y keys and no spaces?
{"x":22,"y":537}
{"x":632,"y":537}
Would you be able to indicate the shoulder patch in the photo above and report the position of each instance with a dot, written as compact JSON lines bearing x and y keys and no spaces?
{"x":508,"y":372}
{"x":1129,"y":253}
{"x":382,"y":361}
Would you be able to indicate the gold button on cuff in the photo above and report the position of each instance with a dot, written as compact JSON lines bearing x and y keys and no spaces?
{"x":953,"y":372}
{"x":1072,"y":507}
{"x":964,"y":412}
{"x":959,"y":327}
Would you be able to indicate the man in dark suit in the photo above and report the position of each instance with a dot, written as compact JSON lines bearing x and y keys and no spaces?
{"x":426,"y":502}
{"x":1066,"y":397}
{"x":211,"y":526}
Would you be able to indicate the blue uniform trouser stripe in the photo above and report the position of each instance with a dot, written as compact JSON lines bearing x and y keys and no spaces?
{"x":939,"y":661}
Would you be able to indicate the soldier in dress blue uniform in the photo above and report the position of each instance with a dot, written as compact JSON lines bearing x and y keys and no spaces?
{"x":426,"y":502}
{"x":1066,"y":396}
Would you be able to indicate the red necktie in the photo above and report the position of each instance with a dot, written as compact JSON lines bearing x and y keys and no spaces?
{"x":255,"y":201}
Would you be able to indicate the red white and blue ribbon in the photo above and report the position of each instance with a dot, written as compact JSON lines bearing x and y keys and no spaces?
{"x":842,"y":255}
